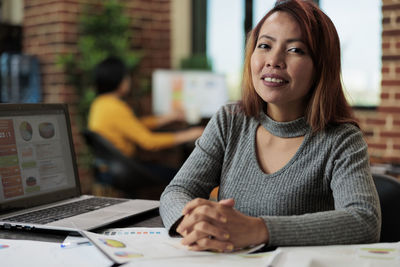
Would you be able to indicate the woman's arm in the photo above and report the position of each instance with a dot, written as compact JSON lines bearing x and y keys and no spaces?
{"x":200,"y":173}
{"x":154,"y":122}
{"x":133,"y":129}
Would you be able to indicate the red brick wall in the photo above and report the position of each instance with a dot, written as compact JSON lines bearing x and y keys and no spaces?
{"x":382,"y":127}
{"x":50,"y":28}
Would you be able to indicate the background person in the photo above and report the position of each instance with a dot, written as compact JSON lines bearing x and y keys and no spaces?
{"x":290,"y":162}
{"x":111,"y":117}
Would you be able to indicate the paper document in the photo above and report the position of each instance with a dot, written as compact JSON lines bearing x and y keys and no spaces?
{"x":16,"y":253}
{"x":154,"y":244}
{"x":369,"y":255}
{"x":217,"y":260}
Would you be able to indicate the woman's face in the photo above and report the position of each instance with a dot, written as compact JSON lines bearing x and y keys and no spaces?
{"x":281,"y":66}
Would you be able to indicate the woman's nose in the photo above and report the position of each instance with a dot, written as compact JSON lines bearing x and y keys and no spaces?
{"x":275,"y":60}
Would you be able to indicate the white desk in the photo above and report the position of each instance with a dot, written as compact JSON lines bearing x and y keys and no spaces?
{"x":368,"y":255}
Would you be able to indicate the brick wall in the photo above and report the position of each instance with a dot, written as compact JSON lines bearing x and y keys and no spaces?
{"x":50,"y":28}
{"x":382,"y":126}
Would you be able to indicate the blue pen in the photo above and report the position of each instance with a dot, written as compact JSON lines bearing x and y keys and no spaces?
{"x":75,"y":244}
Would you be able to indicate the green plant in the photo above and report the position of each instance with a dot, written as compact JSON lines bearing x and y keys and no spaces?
{"x":196,"y":62}
{"x":103,"y":31}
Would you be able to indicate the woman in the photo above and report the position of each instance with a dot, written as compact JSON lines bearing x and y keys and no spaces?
{"x":291,"y":163}
{"x":111,"y":117}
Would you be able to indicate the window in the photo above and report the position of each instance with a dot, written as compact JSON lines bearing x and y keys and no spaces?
{"x":359,"y":32}
{"x":360,"y":36}
{"x":260,"y":8}
{"x":225,"y":41}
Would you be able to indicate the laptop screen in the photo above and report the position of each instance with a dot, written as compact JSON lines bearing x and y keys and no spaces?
{"x":37,"y":163}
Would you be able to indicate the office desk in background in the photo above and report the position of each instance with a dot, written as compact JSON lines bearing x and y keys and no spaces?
{"x":173,"y":157}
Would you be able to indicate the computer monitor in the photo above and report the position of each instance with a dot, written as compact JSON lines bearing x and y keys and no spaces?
{"x":198,"y":93}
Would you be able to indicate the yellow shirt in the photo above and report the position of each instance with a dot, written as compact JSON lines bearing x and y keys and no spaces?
{"x":113,"y":119}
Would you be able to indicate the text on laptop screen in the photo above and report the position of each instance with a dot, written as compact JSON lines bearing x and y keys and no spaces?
{"x":35,"y":156}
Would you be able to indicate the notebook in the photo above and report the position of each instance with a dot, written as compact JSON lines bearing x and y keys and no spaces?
{"x":38,"y":171}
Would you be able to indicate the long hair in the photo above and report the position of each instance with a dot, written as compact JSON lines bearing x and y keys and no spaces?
{"x":326,"y":104}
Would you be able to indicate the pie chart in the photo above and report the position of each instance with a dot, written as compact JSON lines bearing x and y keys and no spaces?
{"x":46,"y":130}
{"x":112,"y":243}
{"x":25,"y":130}
{"x":125,"y":254}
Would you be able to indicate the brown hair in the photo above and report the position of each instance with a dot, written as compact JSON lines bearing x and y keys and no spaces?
{"x":327,"y":104}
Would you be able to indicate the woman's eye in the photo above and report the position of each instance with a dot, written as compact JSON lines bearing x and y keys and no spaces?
{"x":264,"y":46}
{"x":297,"y":50}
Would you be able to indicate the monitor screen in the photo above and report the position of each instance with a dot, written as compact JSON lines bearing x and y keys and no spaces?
{"x":198,"y":93}
{"x":35,"y":156}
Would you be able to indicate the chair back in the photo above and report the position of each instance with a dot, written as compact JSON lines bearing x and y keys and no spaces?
{"x":115,"y":169}
{"x":388,"y":189}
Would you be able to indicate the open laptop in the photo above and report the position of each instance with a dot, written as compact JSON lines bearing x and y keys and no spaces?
{"x":38,"y":171}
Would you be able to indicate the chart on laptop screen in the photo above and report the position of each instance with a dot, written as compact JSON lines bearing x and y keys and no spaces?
{"x":34,"y":155}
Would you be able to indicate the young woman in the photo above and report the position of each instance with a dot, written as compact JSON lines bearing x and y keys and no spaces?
{"x":290,"y":161}
{"x":111,"y":117}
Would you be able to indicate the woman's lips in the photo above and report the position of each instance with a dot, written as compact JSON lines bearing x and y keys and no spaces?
{"x":273,"y":80}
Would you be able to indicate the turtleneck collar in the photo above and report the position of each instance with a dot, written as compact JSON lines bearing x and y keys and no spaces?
{"x":296,"y":128}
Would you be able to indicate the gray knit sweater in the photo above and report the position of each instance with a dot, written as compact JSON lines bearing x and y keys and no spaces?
{"x":324,"y":195}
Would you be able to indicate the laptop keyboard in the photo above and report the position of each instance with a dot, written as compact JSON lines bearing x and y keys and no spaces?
{"x":64,"y":211}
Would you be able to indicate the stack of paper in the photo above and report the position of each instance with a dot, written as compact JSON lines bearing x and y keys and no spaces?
{"x":147,"y":246}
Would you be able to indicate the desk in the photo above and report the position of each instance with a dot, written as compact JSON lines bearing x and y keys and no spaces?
{"x":354,"y":256}
{"x":15,"y":253}
{"x":175,"y":156}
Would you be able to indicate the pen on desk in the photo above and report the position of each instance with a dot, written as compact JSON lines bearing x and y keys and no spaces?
{"x":74,"y":244}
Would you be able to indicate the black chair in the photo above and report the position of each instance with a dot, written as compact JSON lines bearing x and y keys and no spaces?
{"x":114,"y":169}
{"x":389,"y":195}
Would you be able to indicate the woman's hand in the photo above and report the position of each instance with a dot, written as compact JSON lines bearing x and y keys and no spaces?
{"x":208,"y":225}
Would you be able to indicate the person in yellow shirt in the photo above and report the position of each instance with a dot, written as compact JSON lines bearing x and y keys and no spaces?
{"x":112,"y":118}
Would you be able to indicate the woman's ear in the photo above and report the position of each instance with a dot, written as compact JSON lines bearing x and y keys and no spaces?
{"x":124,"y":87}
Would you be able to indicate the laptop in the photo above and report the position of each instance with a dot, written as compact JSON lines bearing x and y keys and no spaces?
{"x":39,"y":181}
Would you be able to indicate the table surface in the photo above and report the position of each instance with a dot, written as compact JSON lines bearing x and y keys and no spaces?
{"x":148,"y":219}
{"x":291,"y":256}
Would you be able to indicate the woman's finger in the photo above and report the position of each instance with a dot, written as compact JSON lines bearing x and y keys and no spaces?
{"x":202,"y":213}
{"x":194,"y":204}
{"x":202,"y":230}
{"x":182,"y":227}
{"x":229,"y":202}
{"x":212,"y":244}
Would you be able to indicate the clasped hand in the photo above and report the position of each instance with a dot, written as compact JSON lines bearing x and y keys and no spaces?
{"x":217,"y":226}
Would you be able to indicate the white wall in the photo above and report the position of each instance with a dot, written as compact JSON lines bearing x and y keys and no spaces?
{"x":12,"y":11}
{"x":181,"y":27}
